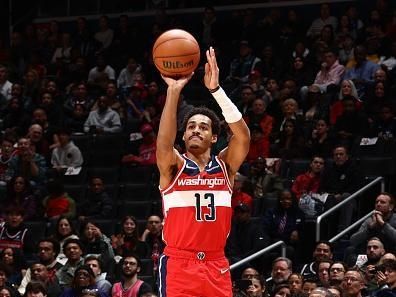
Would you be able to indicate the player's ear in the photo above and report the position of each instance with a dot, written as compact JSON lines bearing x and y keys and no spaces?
{"x":214,"y":138}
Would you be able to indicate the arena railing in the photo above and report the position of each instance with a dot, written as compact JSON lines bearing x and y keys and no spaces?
{"x":275,"y":245}
{"x":319,"y":219}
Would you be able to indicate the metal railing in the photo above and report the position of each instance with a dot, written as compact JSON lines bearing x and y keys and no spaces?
{"x":343,"y":202}
{"x":349,"y":228}
{"x":261,"y":252}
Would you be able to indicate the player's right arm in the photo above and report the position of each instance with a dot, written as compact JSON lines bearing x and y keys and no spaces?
{"x":168,"y":159}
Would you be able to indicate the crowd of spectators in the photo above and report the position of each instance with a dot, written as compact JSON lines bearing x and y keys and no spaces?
{"x":318,"y":91}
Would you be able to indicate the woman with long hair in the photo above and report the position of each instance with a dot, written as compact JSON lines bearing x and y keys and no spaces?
{"x":128,"y":239}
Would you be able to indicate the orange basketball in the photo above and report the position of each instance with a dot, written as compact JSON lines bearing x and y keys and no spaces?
{"x":176,"y":53}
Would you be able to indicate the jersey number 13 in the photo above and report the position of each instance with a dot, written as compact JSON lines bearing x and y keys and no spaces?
{"x":211,"y":215}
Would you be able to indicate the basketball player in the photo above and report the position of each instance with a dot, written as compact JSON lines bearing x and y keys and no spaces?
{"x":196,"y":188}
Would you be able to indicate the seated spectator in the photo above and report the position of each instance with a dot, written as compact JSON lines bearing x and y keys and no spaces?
{"x":263,"y":180}
{"x":388,"y":269}
{"x":337,"y":108}
{"x":246,"y":237}
{"x":100,"y":276}
{"x":14,"y":233}
{"x":38,"y":140}
{"x":285,"y":222}
{"x":309,"y":182}
{"x":8,"y":291}
{"x":385,"y":126}
{"x":295,"y":282}
{"x":340,"y":180}
{"x":281,"y":290}
{"x":20,"y":194}
{"x":27,"y":163}
{"x":39,"y":116}
{"x":40,"y":274}
{"x":324,"y":19}
{"x":381,"y":224}
{"x":351,"y":125}
{"x":58,"y":203}
{"x":290,"y":143}
{"x":259,"y":144}
{"x":98,"y":204}
{"x":322,"y":251}
{"x":346,"y":54}
{"x":83,"y":279}
{"x":153,"y":237}
{"x":79,"y":95}
{"x":337,"y":273}
{"x":315,"y":107}
{"x":47,"y":252}
{"x":15,"y":261}
{"x":257,"y":288}
{"x":377,"y":99}
{"x":5,"y":84}
{"x":289,"y":112}
{"x":95,"y":242}
{"x":127,"y":75}
{"x":130,"y":267}
{"x":280,"y":272}
{"x":147,"y":149}
{"x":353,"y":284}
{"x":101,"y":74}
{"x":63,"y":230}
{"x":15,"y":118}
{"x":301,"y":71}
{"x":6,"y":153}
{"x":67,"y":154}
{"x":323,"y":273}
{"x":128,"y":239}
{"x":362,"y":74}
{"x":73,"y":249}
{"x":309,"y":285}
{"x":320,"y":141}
{"x":77,"y":119}
{"x":239,"y":193}
{"x":53,"y":109}
{"x":104,"y":119}
{"x":245,"y":99}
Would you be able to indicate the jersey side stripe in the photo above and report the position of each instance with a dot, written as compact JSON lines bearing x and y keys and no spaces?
{"x":224,"y":168}
{"x":163,"y":191}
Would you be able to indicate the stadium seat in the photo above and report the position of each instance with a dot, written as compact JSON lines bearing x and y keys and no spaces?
{"x":109,"y":175}
{"x":79,"y":179}
{"x":106,"y":142}
{"x":137,"y":174}
{"x":104,"y":158}
{"x":77,"y":192}
{"x":135,"y":192}
{"x":297,"y":167}
{"x":147,"y":267}
{"x":138,"y":209}
{"x":38,"y":230}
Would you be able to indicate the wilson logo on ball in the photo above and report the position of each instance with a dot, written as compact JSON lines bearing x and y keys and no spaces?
{"x":177,"y":64}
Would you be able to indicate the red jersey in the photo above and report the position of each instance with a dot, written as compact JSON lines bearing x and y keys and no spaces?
{"x":197,"y":207}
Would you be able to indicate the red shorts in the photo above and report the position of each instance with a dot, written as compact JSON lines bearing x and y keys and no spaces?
{"x":194,"y":274}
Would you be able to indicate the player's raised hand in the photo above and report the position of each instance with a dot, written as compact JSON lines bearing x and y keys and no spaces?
{"x":177,"y":84}
{"x":211,"y":78}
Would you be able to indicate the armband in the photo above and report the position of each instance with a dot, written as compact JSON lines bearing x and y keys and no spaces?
{"x":230,"y":111}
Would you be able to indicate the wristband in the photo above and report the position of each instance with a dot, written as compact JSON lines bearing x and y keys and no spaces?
{"x":230,"y":111}
{"x":214,"y":90}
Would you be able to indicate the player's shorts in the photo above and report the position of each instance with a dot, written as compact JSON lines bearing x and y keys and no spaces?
{"x":194,"y":274}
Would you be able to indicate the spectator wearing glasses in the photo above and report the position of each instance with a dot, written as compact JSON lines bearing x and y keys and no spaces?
{"x":353,"y":284}
{"x":337,"y":272}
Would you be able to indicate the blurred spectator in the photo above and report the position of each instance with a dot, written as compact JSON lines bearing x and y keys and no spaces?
{"x":271,"y":91}
{"x":285,"y":222}
{"x":62,"y":53}
{"x":263,"y":180}
{"x":323,"y":273}
{"x":6,"y":153}
{"x":44,"y":270}
{"x":37,"y":139}
{"x":14,"y":233}
{"x":104,"y":119}
{"x":15,"y":261}
{"x":79,"y":95}
{"x":388,"y":270}
{"x":128,"y":239}
{"x":98,"y":203}
{"x":58,"y":203}
{"x":257,"y":288}
{"x":127,"y":76}
{"x":20,"y":195}
{"x":346,"y":52}
{"x":41,"y":275}
{"x":390,"y":60}
{"x":295,"y":282}
{"x":327,"y":36}
{"x":101,"y":74}
{"x":301,"y":71}
{"x":39,"y":116}
{"x":324,"y":19}
{"x":53,"y":109}
{"x":247,"y":97}
{"x":290,"y":111}
{"x":362,"y":74}
{"x":95,"y":242}
{"x":83,"y":39}
{"x":5,"y":85}
{"x":77,"y":119}
{"x":67,"y":154}
{"x":96,"y":265}
{"x":322,"y":251}
{"x":280,"y":271}
{"x":309,"y":182}
{"x":114,"y":98}
{"x":259,"y":145}
{"x":340,"y":180}
{"x":377,"y":99}
{"x":315,"y":107}
{"x":239,"y":194}
{"x":337,"y":273}
{"x":136,"y":103}
{"x":147,"y":149}
{"x":385,"y":126}
{"x":208,"y":30}
{"x":153,"y":237}
{"x":246,"y":237}
{"x":309,"y":285}
{"x":73,"y":249}
{"x":130,"y":267}
{"x":105,"y":34}
{"x":27,"y":163}
{"x":290,"y":143}
{"x":270,"y":65}
{"x":63,"y":230}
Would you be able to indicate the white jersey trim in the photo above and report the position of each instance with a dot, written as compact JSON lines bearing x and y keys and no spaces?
{"x":224,"y":169}
{"x":188,"y":199}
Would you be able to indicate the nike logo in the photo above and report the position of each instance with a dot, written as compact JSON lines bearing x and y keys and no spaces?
{"x":224,"y":270}
{"x":210,"y":169}
{"x":190,"y":167}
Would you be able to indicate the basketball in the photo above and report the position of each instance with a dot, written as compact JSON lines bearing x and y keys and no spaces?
{"x":176,"y":53}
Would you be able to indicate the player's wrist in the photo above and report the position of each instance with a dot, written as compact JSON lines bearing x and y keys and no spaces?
{"x":230,"y":111}
{"x":214,"y":89}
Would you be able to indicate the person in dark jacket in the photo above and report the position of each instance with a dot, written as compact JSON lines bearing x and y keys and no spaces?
{"x":98,"y":203}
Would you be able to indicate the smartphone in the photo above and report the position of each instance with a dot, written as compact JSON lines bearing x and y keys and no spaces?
{"x":243,"y":284}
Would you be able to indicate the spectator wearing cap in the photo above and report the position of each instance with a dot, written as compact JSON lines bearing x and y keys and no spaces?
{"x":147,"y":149}
{"x":67,"y":154}
{"x":104,"y":119}
{"x":83,"y":282}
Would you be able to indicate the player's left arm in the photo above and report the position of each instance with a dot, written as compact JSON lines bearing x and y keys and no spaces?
{"x":238,"y":146}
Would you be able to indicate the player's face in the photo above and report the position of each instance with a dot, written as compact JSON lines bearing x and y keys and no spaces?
{"x":198,"y":134}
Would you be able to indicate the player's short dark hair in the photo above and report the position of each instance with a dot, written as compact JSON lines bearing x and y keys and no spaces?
{"x":206,"y":112}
